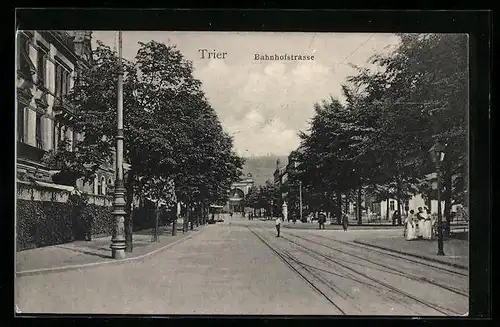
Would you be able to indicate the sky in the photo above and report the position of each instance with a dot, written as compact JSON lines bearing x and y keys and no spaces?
{"x":264,"y":104}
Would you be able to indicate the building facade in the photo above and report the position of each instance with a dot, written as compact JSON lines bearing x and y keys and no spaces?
{"x":48,"y":63}
{"x":237,"y":194}
{"x":281,"y":178}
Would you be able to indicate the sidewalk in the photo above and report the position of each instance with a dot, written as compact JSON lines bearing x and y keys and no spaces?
{"x":456,"y":250}
{"x":78,"y":253}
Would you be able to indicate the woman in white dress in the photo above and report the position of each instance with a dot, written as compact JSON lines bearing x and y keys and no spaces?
{"x":420,"y":221}
{"x":411,"y":227}
{"x":426,"y":224}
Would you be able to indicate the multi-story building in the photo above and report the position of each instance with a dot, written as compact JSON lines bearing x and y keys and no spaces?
{"x":48,"y":63}
{"x":280,"y":177}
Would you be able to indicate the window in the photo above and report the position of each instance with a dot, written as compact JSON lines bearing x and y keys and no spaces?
{"x":99,"y":188}
{"x":391,"y":205}
{"x":38,"y":131}
{"x":103,"y":185}
{"x":23,"y":55}
{"x":62,"y":81}
{"x":67,"y":81}
{"x":74,"y":140}
{"x":59,"y":71}
{"x":54,"y":134}
{"x":20,"y":123}
{"x":41,"y":66}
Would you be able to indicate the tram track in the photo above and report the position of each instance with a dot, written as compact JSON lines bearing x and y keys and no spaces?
{"x":398,"y":256}
{"x":351,"y":274}
{"x":392,"y":270}
{"x":428,"y":304}
{"x":286,"y":258}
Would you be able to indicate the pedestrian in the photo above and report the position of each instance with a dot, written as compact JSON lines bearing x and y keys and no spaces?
{"x":396,"y":218}
{"x":321,"y":219}
{"x":345,"y":222}
{"x":410,"y":231}
{"x":278,"y":225}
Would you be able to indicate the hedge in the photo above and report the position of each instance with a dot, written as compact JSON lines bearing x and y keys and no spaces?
{"x":43,"y":223}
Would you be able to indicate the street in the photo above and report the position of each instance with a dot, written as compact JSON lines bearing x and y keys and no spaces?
{"x":241,"y":267}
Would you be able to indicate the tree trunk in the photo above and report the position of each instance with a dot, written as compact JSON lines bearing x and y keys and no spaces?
{"x":129,"y":222}
{"x":185,"y":219}
{"x":387,"y":209}
{"x":157,"y":223}
{"x":174,"y":225}
{"x":176,"y":217}
{"x":339,"y":208}
{"x":198,"y":215}
{"x":192,"y":219}
{"x":358,"y":207}
{"x":202,"y":210}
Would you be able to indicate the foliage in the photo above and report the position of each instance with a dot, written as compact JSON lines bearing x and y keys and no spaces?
{"x":261,"y":197}
{"x":41,"y":224}
{"x":380,"y":138}
{"x":173,"y":139}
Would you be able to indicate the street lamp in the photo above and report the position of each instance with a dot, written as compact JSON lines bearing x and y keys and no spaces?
{"x":300,"y":199}
{"x":118,"y":238}
{"x":437,"y":155}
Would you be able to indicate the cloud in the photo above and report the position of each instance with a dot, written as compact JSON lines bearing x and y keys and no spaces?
{"x":257,"y":135}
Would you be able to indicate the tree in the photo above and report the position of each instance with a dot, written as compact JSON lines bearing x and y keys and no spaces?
{"x":252,"y":198}
{"x":171,"y":134}
{"x":329,"y":160}
{"x":421,"y":93}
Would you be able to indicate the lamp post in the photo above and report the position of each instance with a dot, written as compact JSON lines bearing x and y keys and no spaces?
{"x":300,"y":199}
{"x":437,"y":155}
{"x":271,"y":209}
{"x":118,"y":237}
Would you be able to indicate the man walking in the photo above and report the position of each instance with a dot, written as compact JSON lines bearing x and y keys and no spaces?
{"x":278,"y":225}
{"x":321,"y":219}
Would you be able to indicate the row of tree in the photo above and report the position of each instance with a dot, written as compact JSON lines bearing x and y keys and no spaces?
{"x":173,"y":139}
{"x":265,"y":197}
{"x":378,"y":141}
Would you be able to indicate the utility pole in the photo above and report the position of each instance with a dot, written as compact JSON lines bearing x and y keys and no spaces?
{"x":118,"y":238}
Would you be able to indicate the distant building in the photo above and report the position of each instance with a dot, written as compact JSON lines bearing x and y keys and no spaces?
{"x":417,"y":200}
{"x":238,"y":193}
{"x":47,"y":64}
{"x":281,"y":177}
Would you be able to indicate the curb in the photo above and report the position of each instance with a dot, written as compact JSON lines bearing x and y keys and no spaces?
{"x":455,"y":265}
{"x":95,"y":264}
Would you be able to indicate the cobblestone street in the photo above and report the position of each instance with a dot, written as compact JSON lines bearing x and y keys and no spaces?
{"x":237,"y":267}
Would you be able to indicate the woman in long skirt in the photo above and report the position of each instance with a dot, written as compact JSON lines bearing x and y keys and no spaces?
{"x":421,"y":215}
{"x":345,"y":222}
{"x":411,"y":228}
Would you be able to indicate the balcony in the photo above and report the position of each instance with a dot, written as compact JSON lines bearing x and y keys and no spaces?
{"x":63,"y":106}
